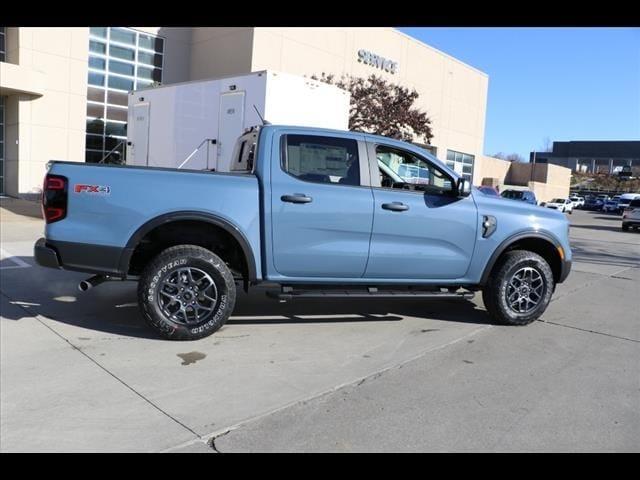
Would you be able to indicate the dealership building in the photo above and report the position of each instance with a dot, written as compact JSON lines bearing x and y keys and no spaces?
{"x":63,"y":91}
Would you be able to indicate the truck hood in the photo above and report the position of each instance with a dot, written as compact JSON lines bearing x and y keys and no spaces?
{"x":495,"y":205}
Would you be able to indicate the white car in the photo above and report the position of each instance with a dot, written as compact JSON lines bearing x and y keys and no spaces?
{"x":577,"y":201}
{"x":631,"y":215}
{"x":562,"y":204}
{"x":625,"y":200}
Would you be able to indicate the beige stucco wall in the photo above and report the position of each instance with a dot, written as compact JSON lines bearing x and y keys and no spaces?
{"x":49,"y":123}
{"x":490,"y":167}
{"x":545,"y":180}
{"x":546,"y":192}
{"x":220,"y":51}
{"x":452,"y":93}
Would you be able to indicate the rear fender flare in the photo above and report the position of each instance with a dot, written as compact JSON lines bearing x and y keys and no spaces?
{"x":226,"y":225}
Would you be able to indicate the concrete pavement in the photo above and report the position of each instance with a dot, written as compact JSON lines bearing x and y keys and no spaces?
{"x":81,"y":372}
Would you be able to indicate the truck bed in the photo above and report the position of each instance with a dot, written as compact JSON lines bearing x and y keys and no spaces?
{"x":108,"y":204}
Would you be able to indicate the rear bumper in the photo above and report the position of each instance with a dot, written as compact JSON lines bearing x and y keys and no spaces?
{"x":79,"y":257}
{"x":45,"y":255}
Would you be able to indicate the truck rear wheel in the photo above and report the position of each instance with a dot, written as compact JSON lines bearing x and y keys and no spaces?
{"x":186,"y":293}
{"x":519,"y":288}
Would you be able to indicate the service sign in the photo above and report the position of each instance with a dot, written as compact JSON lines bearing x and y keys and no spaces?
{"x":377,"y":61}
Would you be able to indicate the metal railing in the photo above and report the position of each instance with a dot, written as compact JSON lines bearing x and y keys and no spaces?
{"x":208,"y":141}
{"x":122,"y":160}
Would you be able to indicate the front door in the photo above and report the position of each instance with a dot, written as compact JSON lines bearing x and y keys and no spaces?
{"x":322,"y":206}
{"x":420,"y":229}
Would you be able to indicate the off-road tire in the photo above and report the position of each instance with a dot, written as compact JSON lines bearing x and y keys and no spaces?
{"x":494,"y":292}
{"x":171,"y":260}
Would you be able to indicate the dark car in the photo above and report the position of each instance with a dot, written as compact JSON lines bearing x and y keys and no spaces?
{"x":595,"y":203}
{"x":526,"y":196}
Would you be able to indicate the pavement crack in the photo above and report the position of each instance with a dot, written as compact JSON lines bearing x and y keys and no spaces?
{"x":212,"y":442}
{"x":599,"y":278}
{"x":591,"y":331}
{"x":38,"y":318}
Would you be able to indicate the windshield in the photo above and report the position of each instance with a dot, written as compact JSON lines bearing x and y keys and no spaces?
{"x":557,"y":200}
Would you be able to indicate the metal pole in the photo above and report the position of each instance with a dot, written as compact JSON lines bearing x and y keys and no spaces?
{"x":534,"y":165}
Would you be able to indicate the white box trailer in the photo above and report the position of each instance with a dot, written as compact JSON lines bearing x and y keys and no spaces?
{"x":167,"y":124}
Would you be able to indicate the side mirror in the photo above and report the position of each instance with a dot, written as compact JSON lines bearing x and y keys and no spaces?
{"x":463,"y":187}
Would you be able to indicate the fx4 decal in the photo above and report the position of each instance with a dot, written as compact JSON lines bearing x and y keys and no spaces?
{"x":99,"y":189}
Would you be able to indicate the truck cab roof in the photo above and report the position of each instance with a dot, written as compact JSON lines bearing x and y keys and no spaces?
{"x":369,"y":137}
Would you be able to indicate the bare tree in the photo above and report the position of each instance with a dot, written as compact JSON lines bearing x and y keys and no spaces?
{"x":383,"y":108}
{"x":510,"y":157}
{"x":547,"y":145}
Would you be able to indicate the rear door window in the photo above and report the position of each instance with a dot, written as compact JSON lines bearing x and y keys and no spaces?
{"x":321,"y":159}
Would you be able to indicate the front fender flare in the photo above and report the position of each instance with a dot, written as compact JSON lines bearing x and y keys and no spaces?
{"x":506,"y":243}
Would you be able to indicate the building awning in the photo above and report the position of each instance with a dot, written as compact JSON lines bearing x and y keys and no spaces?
{"x":16,"y":79}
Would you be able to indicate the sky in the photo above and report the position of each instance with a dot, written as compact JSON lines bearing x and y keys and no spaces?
{"x":556,"y":83}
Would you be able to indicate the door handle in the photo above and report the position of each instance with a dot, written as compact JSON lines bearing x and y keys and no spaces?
{"x":395,"y":206}
{"x":296,"y":198}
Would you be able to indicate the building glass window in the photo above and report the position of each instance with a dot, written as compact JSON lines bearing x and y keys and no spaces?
{"x":461,"y":163}
{"x":97,"y":47}
{"x":120,"y":60}
{"x":121,"y":67}
{"x":122,"y":35}
{"x":98,"y":32}
{"x":96,"y":79}
{"x":3,"y":47}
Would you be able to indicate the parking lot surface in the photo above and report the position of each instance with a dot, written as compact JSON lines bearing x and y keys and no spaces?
{"x":82,"y":372}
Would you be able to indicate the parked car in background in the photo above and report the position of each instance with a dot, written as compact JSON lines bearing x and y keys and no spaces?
{"x":611,"y":206}
{"x":631,"y":215}
{"x":526,"y":196}
{"x":625,"y":200}
{"x":596,"y":203}
{"x":489,"y":190}
{"x":578,"y":201}
{"x":565,"y":205}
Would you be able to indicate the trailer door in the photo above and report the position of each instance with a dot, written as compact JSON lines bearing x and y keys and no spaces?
{"x":229,"y":127}
{"x":140,"y":147}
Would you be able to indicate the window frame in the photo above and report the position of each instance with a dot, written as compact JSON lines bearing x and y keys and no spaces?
{"x":363,"y":161}
{"x":375,"y":177}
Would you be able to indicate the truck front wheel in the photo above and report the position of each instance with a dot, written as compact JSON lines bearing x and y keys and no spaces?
{"x":186,"y":292}
{"x":519,"y":288}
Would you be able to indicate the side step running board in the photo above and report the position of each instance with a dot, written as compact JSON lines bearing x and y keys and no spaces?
{"x":289,"y":293}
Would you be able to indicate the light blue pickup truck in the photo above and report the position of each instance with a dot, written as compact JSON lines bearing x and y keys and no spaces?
{"x":321,"y":213}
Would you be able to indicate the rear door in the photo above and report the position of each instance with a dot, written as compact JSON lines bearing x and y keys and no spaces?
{"x":321,"y":204}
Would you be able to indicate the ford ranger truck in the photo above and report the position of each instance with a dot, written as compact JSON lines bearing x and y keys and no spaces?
{"x":320,"y":213}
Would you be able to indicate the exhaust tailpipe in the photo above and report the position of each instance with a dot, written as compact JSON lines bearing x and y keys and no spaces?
{"x":91,"y":282}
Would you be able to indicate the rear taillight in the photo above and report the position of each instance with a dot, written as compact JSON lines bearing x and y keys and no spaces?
{"x":54,"y":198}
